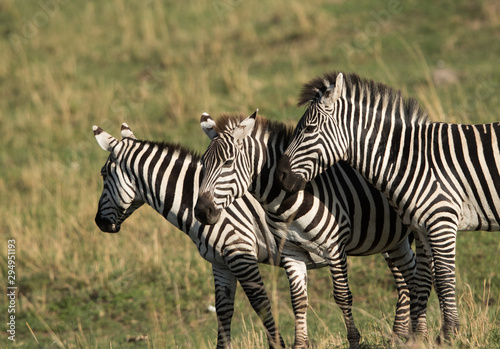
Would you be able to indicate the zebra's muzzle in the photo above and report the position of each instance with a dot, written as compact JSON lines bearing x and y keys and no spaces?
{"x":288,"y":180}
{"x":205,"y":210}
{"x":106,"y":226}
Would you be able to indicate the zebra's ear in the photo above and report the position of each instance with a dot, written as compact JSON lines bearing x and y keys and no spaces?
{"x":245,"y":127}
{"x":333,"y":93}
{"x":127,"y":132}
{"x":207,"y":125}
{"x":105,"y":140}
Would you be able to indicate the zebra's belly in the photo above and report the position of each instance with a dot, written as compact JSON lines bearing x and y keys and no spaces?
{"x":366,"y":249}
{"x":319,"y":242}
{"x":310,"y":259}
{"x":473,"y":218}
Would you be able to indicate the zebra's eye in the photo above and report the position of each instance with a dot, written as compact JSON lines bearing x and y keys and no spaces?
{"x":228,"y":163}
{"x":310,"y":128}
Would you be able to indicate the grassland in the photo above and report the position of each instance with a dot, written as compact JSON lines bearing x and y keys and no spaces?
{"x":157,"y":65}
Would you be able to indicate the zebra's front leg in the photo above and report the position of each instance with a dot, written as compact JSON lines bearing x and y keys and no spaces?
{"x":342,"y":294}
{"x":297,"y":277}
{"x":442,"y":240}
{"x":246,"y":270}
{"x":225,"y":288}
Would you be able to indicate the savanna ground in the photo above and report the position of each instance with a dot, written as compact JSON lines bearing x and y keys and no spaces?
{"x":65,"y":66}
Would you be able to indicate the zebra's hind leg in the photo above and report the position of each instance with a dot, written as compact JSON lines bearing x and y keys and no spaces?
{"x":342,"y":294}
{"x":297,"y":277}
{"x":225,"y":288}
{"x":246,"y":270}
{"x":402,"y":263}
{"x":442,"y":239}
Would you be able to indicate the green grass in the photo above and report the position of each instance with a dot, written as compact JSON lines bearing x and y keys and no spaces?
{"x":65,"y":66}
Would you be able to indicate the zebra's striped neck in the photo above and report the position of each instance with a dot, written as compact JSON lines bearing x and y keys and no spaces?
{"x":268,"y":142}
{"x":385,"y":135}
{"x":377,"y":123}
{"x":167,"y":177}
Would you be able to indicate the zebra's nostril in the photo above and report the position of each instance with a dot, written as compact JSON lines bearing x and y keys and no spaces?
{"x":200,"y":215}
{"x":105,"y":225}
{"x":203,"y":210}
{"x":280,"y":175}
{"x":283,"y":173}
{"x":197,"y":212}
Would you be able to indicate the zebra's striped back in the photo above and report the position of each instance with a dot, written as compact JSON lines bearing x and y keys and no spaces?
{"x":439,"y":177}
{"x":339,"y":213}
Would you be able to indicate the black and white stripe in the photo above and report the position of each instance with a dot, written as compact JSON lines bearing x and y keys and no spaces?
{"x":338,"y":214}
{"x":439,"y":177}
{"x":167,"y":177}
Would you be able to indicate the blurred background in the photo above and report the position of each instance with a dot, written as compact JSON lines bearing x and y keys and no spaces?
{"x":157,"y":65}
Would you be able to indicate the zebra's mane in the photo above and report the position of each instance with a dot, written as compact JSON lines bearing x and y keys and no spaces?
{"x":183,"y":151}
{"x":227,"y":122}
{"x":314,"y":89}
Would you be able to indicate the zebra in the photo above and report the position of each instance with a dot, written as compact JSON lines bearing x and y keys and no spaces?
{"x":339,"y":214}
{"x":439,"y":177}
{"x":166,"y":176}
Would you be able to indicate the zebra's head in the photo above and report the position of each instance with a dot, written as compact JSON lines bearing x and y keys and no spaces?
{"x":119,"y":197}
{"x":226,"y":170}
{"x":317,"y":142}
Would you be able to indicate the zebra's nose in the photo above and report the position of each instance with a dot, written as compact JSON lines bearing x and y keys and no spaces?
{"x":105,"y":225}
{"x":288,"y":180}
{"x":205,"y":210}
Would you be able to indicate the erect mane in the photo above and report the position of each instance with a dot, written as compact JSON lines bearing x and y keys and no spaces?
{"x":227,"y":122}
{"x":183,"y":151}
{"x":314,"y":89}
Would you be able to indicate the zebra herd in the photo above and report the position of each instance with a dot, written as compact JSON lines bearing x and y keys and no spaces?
{"x":363,"y":172}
